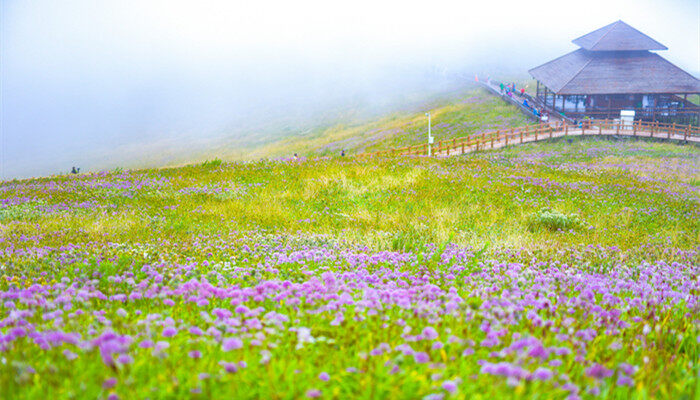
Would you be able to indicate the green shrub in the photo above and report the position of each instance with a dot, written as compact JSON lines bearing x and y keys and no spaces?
{"x":212,"y":164}
{"x":20,"y":212}
{"x":553,"y":220}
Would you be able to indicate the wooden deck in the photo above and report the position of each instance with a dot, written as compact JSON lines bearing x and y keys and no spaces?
{"x":533,"y":133}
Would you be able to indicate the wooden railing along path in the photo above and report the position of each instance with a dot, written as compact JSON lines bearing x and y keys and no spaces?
{"x":544,"y":131}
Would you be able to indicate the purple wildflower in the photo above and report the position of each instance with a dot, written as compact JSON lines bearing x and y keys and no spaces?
{"x":450,"y":386}
{"x":229,"y":367}
{"x":542,"y":374}
{"x":109,"y":383}
{"x":169,"y":331}
{"x":429,"y":333}
{"x":231,"y":344}
{"x":421,"y":357}
{"x":599,"y":372}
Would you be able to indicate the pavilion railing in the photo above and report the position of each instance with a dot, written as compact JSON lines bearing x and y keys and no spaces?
{"x":530,"y":133}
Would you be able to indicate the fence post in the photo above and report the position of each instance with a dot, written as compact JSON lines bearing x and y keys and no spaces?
{"x":685,"y":133}
{"x":462,"y":145}
{"x":550,"y":131}
{"x":537,"y":131}
{"x":583,"y":127}
{"x":669,"y":131}
{"x":617,"y":131}
{"x":566,"y":129}
{"x":521,"y":136}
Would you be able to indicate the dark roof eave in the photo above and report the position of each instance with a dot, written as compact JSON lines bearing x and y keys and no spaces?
{"x":567,"y":93}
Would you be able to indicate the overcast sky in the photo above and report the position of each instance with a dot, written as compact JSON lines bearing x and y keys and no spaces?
{"x":85,"y":80}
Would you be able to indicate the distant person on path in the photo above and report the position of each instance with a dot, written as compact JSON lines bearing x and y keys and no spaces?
{"x":502,"y":87}
{"x":522,"y":91}
{"x":342,"y":153}
{"x":296,"y":157}
{"x":74,"y":170}
{"x":525,"y":103}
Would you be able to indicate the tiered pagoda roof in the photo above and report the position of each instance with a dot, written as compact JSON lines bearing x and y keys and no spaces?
{"x":615,"y":59}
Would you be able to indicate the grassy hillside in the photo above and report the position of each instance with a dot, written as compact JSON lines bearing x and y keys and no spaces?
{"x":563,"y":270}
{"x":456,"y":114}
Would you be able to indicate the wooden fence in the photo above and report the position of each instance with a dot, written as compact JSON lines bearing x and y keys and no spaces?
{"x":531,"y":133}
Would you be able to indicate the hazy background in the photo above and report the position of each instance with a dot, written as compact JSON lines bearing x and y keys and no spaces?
{"x":98,"y":84}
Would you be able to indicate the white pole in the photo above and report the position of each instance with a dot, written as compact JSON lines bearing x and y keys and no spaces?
{"x":430,"y":137}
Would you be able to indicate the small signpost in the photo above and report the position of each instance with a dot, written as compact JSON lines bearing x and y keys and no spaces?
{"x":626,"y":118}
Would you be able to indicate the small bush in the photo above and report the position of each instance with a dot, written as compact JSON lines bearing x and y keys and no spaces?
{"x":553,"y":220}
{"x":20,"y":212}
{"x":212,"y":164}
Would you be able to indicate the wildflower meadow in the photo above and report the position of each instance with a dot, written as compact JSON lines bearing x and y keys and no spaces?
{"x":557,"y":270}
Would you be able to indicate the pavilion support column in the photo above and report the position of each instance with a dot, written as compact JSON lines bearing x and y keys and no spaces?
{"x":538,"y":89}
{"x":554,"y":102}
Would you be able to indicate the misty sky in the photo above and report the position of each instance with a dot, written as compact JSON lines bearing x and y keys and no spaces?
{"x":91,"y":83}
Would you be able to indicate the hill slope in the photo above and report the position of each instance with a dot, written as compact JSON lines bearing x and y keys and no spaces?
{"x":460,"y":113}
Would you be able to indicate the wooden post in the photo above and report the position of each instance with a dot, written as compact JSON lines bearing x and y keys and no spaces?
{"x":669,"y":131}
{"x":634,"y":128}
{"x":550,"y":131}
{"x":617,"y":131}
{"x":545,"y":97}
{"x":462,"y":145}
{"x":685,"y":134}
{"x":537,"y":130}
{"x":521,"y":136}
{"x":566,"y":129}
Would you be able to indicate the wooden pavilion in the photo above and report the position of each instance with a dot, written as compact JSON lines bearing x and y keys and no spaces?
{"x":615,"y":70}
